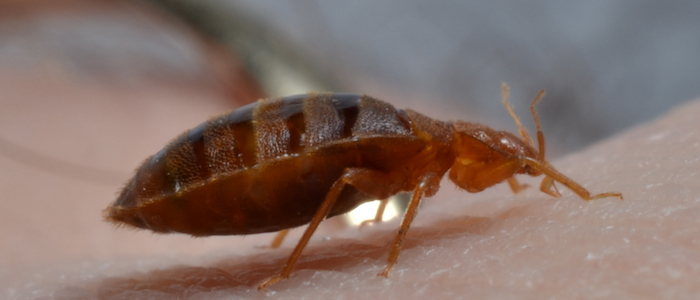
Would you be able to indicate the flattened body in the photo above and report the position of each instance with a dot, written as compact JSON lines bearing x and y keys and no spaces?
{"x":268,"y":166}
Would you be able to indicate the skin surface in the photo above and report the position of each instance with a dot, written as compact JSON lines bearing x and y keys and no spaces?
{"x":489,"y":245}
{"x":87,"y":95}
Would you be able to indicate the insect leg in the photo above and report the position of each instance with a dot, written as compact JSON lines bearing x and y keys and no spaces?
{"x":548,"y":187}
{"x":370,"y":182}
{"x":378,"y":216}
{"x":515,"y":186}
{"x":279,"y":238}
{"x":553,"y":175}
{"x":428,"y":184}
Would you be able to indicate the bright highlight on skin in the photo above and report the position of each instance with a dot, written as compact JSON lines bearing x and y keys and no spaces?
{"x":367,"y":211}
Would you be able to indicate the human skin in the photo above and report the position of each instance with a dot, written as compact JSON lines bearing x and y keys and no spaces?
{"x":488,"y":245}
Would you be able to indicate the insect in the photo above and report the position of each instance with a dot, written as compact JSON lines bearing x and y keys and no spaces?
{"x":285,"y":162}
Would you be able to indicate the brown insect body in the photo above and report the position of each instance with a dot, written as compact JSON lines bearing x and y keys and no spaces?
{"x":268,"y":166}
{"x":285,"y":162}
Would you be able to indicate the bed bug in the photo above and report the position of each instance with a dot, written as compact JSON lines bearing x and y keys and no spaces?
{"x":285,"y":162}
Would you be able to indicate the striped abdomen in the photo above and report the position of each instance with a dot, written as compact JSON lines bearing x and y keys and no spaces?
{"x":308,"y":139}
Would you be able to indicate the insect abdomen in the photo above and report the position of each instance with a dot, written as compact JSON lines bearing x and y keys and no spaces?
{"x":249,"y":142}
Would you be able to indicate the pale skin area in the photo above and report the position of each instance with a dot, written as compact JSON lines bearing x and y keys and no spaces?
{"x":489,"y":245}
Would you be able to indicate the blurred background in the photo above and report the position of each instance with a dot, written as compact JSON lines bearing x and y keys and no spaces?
{"x":605,"y":65}
{"x":88,"y":89}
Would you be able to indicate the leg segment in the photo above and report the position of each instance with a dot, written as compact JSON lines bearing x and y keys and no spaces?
{"x":548,"y":187}
{"x":428,"y":185}
{"x":367,"y":181}
{"x":378,"y":216}
{"x":515,"y":186}
{"x":279,"y":238}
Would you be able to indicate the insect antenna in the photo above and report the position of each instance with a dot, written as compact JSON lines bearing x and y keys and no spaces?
{"x":540,"y":135}
{"x":547,"y":185}
{"x":521,"y":129}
